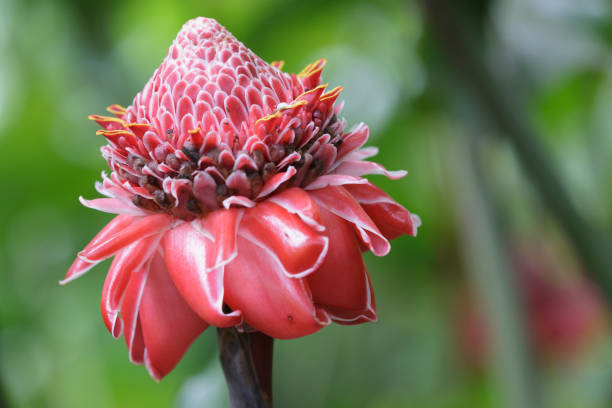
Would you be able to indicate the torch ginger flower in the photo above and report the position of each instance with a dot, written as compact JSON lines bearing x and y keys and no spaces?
{"x":240,"y":202}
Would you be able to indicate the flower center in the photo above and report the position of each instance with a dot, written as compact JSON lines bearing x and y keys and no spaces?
{"x":199,"y":177}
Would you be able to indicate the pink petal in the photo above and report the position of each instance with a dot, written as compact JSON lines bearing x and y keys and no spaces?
{"x":81,"y":266}
{"x":350,"y":317}
{"x":271,"y":302}
{"x":197,"y":264}
{"x":297,"y":201}
{"x":362,"y":154}
{"x":127,"y":261}
{"x":391,"y":218}
{"x":353,"y":141}
{"x":275,"y":181}
{"x":285,"y":238}
{"x":334,"y":180}
{"x":238,"y":201}
{"x":169,"y":325}
{"x":361,"y":168}
{"x":141,"y":228}
{"x":340,"y":285}
{"x":341,"y":203}
{"x":129,"y":314}
{"x":113,"y":206}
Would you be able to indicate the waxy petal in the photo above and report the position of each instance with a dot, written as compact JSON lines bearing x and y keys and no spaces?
{"x":391,"y":218}
{"x":297,"y":201}
{"x":340,"y":285}
{"x":340,"y":202}
{"x":132,"y":332}
{"x":141,"y":228}
{"x":197,"y":264}
{"x":169,"y":326}
{"x":360,"y":168}
{"x":334,"y":180}
{"x":275,"y":181}
{"x":113,"y":206}
{"x":126,"y":262}
{"x":81,"y":266}
{"x":285,"y":238}
{"x":271,"y":302}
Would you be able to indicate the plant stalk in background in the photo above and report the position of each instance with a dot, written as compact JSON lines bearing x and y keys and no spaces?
{"x":590,"y":245}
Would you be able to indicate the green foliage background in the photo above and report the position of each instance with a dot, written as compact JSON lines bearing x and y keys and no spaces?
{"x":62,"y":60}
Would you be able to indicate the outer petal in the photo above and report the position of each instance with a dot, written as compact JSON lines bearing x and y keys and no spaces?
{"x":197,"y":264}
{"x":359,"y":168}
{"x":81,"y":266}
{"x":129,"y":314}
{"x":341,"y":285}
{"x":297,"y":201}
{"x":169,"y":325}
{"x":113,"y":206}
{"x":271,"y":302}
{"x":391,"y":218}
{"x":284,"y":237}
{"x":125,"y":263}
{"x":143,"y":227}
{"x":338,"y":201}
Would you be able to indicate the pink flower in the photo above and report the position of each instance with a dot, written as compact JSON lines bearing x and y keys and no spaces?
{"x":240,"y":202}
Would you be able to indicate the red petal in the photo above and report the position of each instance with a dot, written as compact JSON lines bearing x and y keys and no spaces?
{"x":271,"y":302}
{"x":197,"y":263}
{"x":353,"y":141}
{"x":169,"y":325}
{"x":341,"y":284}
{"x":141,"y":228}
{"x":113,"y":206}
{"x":334,"y":180}
{"x":129,"y":314}
{"x":275,"y":181}
{"x":125,"y":263}
{"x":297,"y":201}
{"x":298,"y":249}
{"x":80,"y":266}
{"x":392,"y":219}
{"x":360,"y":168}
{"x":341,"y":203}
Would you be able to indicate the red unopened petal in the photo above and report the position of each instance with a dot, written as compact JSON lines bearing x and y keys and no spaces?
{"x":126,"y":262}
{"x":271,"y":302}
{"x":169,"y":325}
{"x":197,"y":264}
{"x":284,"y":237}
{"x":392,"y":219}
{"x":340,"y":285}
{"x":141,"y":228}
{"x":340,"y":202}
{"x":81,"y":266}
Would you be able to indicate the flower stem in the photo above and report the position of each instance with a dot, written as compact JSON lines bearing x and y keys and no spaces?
{"x":247,"y":364}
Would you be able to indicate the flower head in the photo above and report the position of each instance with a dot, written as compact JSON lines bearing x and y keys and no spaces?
{"x":240,"y":202}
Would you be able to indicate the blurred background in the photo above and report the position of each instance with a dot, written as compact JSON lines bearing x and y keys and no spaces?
{"x":501,"y":111}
